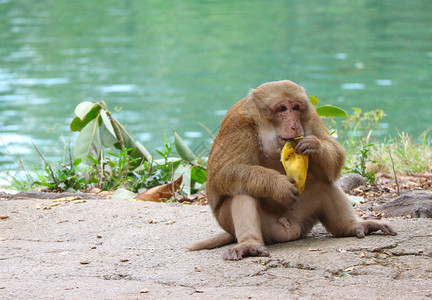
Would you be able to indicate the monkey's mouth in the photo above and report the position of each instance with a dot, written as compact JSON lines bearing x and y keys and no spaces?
{"x":284,"y":140}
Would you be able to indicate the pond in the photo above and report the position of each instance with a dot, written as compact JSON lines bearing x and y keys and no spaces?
{"x":165,"y":65}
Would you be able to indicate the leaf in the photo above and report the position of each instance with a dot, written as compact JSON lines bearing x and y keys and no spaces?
{"x":140,"y":152}
{"x":157,"y":193}
{"x":123,"y":194}
{"x":79,"y":123}
{"x":92,"y":159}
{"x":77,"y":162}
{"x":355,"y":200}
{"x":199,"y":175}
{"x":107,"y":122}
{"x":107,"y":138}
{"x":88,"y":142}
{"x":314,"y":100}
{"x":331,"y":111}
{"x":129,"y":142}
{"x":185,"y":171}
{"x":83,"y":109}
{"x":183,"y":150}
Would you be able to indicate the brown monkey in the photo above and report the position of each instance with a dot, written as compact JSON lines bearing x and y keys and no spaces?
{"x":252,"y":198}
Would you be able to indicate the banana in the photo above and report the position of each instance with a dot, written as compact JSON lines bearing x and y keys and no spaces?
{"x":296,"y":165}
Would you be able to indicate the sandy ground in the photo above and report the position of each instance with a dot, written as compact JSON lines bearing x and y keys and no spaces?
{"x":120,"y":249}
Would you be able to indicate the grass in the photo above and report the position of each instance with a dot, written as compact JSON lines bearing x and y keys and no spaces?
{"x":409,"y":157}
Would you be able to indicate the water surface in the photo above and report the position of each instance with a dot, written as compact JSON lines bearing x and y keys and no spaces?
{"x":164,"y":65}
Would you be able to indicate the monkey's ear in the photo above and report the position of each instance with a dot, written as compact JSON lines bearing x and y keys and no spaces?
{"x":251,"y":93}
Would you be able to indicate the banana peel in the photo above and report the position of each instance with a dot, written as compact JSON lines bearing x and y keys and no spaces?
{"x":296,"y":165}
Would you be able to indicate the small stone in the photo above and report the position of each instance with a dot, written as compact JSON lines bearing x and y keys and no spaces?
{"x":144,"y":291}
{"x":84,"y":262}
{"x":99,"y":236}
{"x":272,"y":264}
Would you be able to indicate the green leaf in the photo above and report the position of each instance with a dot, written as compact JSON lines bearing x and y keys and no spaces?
{"x":185,"y":171}
{"x":183,"y":150}
{"x":122,"y":194}
{"x":92,"y":159}
{"x":107,"y":122}
{"x":107,"y":139}
{"x":331,"y":111}
{"x":144,"y":151}
{"x":83,"y":109}
{"x":77,"y":162}
{"x":128,"y":140}
{"x":79,"y":123}
{"x":139,"y":151}
{"x":88,"y":142}
{"x":199,"y":175}
{"x":314,"y":100}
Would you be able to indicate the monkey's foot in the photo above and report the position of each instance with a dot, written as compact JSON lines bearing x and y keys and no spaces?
{"x":369,"y":226}
{"x":244,"y":249}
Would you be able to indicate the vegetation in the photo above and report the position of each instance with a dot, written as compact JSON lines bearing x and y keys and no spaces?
{"x":107,"y":156}
{"x":408,"y":157}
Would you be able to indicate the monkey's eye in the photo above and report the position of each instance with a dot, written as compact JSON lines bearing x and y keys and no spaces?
{"x":283,"y":108}
{"x":296,"y":107}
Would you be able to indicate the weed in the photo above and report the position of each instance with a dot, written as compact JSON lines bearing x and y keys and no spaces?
{"x":63,"y":177}
{"x":409,"y":157}
{"x":361,"y":161}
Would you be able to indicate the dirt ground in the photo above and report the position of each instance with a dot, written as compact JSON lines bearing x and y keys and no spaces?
{"x":120,"y":249}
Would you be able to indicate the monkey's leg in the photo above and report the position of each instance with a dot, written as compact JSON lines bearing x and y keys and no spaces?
{"x":340,"y":219}
{"x":247,"y":227}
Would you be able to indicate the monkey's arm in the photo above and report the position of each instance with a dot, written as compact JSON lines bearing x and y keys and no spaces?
{"x":256,"y":181}
{"x":327,"y":156}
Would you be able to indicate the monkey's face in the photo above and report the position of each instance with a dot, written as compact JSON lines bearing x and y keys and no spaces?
{"x":285,"y":116}
{"x":279,"y":108}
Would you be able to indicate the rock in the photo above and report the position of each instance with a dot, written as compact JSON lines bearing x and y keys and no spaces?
{"x":414,"y":205}
{"x":350,"y":181}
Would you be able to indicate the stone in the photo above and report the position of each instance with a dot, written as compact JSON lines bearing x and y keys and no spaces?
{"x":351,"y":181}
{"x":415,"y":205}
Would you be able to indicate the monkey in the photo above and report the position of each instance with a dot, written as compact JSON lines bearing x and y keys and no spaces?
{"x":252,"y":198}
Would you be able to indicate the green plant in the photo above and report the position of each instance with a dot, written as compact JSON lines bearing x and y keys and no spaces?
{"x":409,"y":157}
{"x":61,"y":177}
{"x":360,"y":163}
{"x":359,"y":125}
{"x":157,"y":172}
{"x":113,"y":171}
{"x":327,"y":110}
{"x":98,"y":130}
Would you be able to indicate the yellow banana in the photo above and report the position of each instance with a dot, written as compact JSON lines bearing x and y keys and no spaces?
{"x":296,"y":165}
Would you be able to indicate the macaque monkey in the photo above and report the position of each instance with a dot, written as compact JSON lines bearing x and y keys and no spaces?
{"x":252,"y":198}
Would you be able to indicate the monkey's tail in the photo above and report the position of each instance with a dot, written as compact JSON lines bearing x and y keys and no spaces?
{"x":219,"y":240}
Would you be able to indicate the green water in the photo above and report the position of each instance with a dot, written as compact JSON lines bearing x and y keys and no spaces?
{"x":172,"y":64}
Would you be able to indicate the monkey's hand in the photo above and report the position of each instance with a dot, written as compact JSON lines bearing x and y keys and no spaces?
{"x":309,"y":145}
{"x":326,"y":156}
{"x":284,"y":191}
{"x":366,"y":227}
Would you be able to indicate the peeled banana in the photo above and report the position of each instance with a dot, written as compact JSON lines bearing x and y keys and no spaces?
{"x":296,"y":165}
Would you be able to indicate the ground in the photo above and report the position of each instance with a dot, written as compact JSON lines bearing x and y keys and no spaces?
{"x":120,"y":249}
